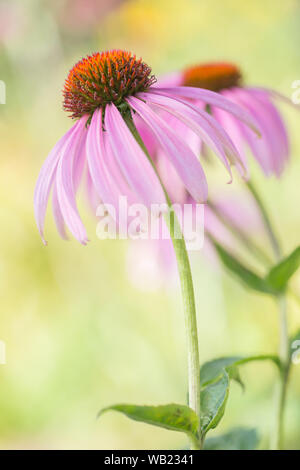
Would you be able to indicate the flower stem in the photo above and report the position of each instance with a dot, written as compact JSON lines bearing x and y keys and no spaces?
{"x":241,"y":236}
{"x":281,"y":392}
{"x":187,"y":290}
{"x":277,"y":442}
{"x":271,"y":234}
{"x":189,"y":308}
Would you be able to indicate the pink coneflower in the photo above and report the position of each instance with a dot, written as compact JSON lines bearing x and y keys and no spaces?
{"x":84,"y":15}
{"x":12,"y":20}
{"x":272,"y":150}
{"x":231,"y":220}
{"x":102,"y":92}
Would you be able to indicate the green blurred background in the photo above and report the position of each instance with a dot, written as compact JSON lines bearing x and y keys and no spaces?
{"x":79,"y":335}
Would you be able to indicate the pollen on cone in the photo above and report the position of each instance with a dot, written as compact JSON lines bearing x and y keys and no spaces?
{"x":103,"y":78}
{"x":213,"y":76}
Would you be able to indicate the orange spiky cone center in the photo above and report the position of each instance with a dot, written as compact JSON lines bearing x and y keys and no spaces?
{"x":212,"y":76}
{"x":103,"y":78}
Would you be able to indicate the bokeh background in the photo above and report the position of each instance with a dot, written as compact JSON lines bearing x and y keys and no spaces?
{"x":79,"y":334}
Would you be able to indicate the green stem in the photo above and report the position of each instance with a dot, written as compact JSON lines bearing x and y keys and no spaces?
{"x":241,"y":236}
{"x":187,"y":290}
{"x":268,"y":225}
{"x":189,"y":308}
{"x":281,"y":392}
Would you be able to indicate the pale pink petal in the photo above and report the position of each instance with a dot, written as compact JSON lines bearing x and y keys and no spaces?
{"x":107,"y":179}
{"x":91,"y":193}
{"x":147,"y":137}
{"x":170,"y":80}
{"x":170,"y":178}
{"x":96,"y":157}
{"x":276,"y":94}
{"x":179,"y":127}
{"x":58,"y":217}
{"x":66,"y":188}
{"x":265,"y":150}
{"x":79,"y":161}
{"x":46,"y":177}
{"x":231,"y":126}
{"x":193,"y":118}
{"x":135,"y":165}
{"x":184,"y":160}
{"x":211,"y":98}
{"x":276,"y":121}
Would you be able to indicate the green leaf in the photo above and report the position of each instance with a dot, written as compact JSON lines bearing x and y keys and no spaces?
{"x":237,"y":439}
{"x":244,"y":274}
{"x":215,"y":378}
{"x":280,"y":274}
{"x":213,"y":400}
{"x":211,"y":370}
{"x":173,"y":417}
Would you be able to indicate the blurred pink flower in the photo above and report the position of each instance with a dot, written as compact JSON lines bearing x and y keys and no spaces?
{"x":272,"y":149}
{"x":83,"y":15}
{"x":100,"y":91}
{"x":12,"y":20}
{"x":151,"y":264}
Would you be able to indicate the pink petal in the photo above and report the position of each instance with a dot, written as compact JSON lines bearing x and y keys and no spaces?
{"x":92,"y":196}
{"x":79,"y":161}
{"x":170,"y":80}
{"x":66,"y":188}
{"x":184,"y":160}
{"x":201,"y":123}
{"x":276,"y":121}
{"x":231,"y":126}
{"x":58,"y":217}
{"x":106,"y":176}
{"x":169,"y":176}
{"x":135,"y":165}
{"x":211,"y":98}
{"x":275,"y":94}
{"x":266,"y":150}
{"x":46,"y":177}
{"x":96,"y":157}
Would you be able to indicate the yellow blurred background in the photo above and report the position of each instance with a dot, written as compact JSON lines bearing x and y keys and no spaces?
{"x":79,"y":335}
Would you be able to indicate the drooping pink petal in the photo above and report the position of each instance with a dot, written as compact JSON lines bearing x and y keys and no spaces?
{"x":170,"y":80}
{"x":180,"y":128}
{"x":266,"y":150}
{"x":135,"y":166}
{"x":96,"y":157}
{"x":170,"y":178}
{"x":46,"y":178}
{"x":184,"y":160}
{"x":107,"y":178}
{"x":207,"y":128}
{"x":79,"y":161}
{"x":231,"y":126}
{"x":276,"y":121}
{"x":92,"y":196}
{"x":66,"y":188}
{"x":274,"y":131}
{"x":146,"y":135}
{"x":276,"y":94}
{"x":211,"y":98}
{"x":58,"y":217}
